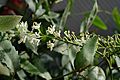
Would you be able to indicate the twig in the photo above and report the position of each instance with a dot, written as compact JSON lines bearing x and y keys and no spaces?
{"x":77,"y":70}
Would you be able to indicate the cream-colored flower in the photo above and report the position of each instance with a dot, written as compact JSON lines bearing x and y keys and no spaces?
{"x":67,"y":34}
{"x":51,"y":30}
{"x":22,"y":39}
{"x":36,"y":25}
{"x":22,"y":27}
{"x":50,"y":45}
{"x":35,"y":41}
{"x":57,"y":34}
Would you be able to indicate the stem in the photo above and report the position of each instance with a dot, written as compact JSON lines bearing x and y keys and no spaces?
{"x":65,"y":14}
{"x":77,"y":70}
{"x":110,"y":67}
{"x":60,"y":39}
{"x":47,"y":6}
{"x":105,"y":11}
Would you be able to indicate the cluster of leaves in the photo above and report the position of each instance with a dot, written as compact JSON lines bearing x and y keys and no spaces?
{"x":81,"y":55}
{"x":52,"y":55}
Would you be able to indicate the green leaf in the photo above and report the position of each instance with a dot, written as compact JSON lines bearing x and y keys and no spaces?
{"x":117,"y":59}
{"x":8,"y":63}
{"x":116,"y":17}
{"x":26,"y":65}
{"x":31,"y":4}
{"x":99,"y":23}
{"x":95,"y":73}
{"x":8,"y":22}
{"x":43,"y":72}
{"x":40,"y":11}
{"x":31,"y":46}
{"x":85,"y":56}
{"x":21,"y":74}
{"x":65,"y":60}
{"x":30,"y":68}
{"x":61,"y":47}
{"x":4,"y":70}
{"x":72,"y":52}
{"x":11,"y":55}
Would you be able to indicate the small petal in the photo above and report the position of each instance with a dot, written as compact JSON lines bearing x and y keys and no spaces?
{"x":36,"y":25}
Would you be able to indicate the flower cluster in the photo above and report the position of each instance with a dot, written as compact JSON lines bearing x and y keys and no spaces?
{"x":51,"y":30}
{"x":25,"y":34}
{"x":69,"y":37}
{"x":36,"y":25}
{"x":50,"y":45}
{"x":73,"y":39}
{"x":33,"y":37}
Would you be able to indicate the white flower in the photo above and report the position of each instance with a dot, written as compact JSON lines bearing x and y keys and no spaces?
{"x":67,"y":34}
{"x":37,"y":34}
{"x":22,"y":27}
{"x":83,"y":39}
{"x":57,"y":1}
{"x":22,"y":39}
{"x":51,"y":30}
{"x":36,"y":25}
{"x":78,"y":41}
{"x":57,"y":33}
{"x":50,"y":45}
{"x":35,"y":41}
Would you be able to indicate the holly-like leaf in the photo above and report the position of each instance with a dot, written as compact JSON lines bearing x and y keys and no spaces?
{"x":85,"y":56}
{"x":8,"y":22}
{"x":11,"y":58}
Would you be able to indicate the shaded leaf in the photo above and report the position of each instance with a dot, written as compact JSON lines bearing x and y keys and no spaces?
{"x":30,"y":68}
{"x":8,"y":22}
{"x":96,"y":73}
{"x":72,"y":52}
{"x":43,"y":72}
{"x":26,"y":65}
{"x":65,"y":60}
{"x":99,"y":23}
{"x":85,"y":56}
